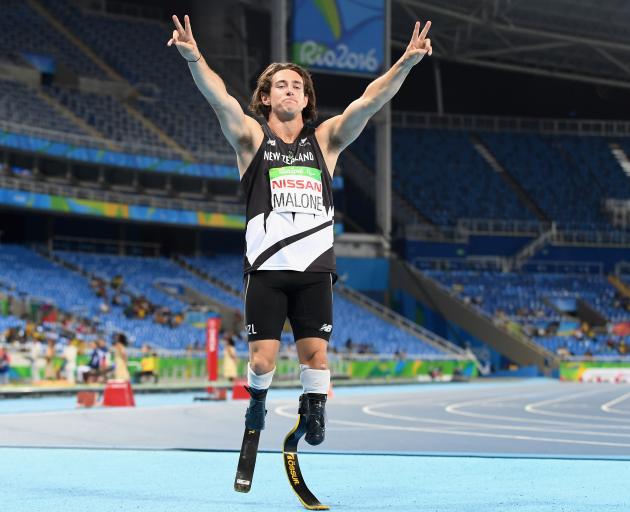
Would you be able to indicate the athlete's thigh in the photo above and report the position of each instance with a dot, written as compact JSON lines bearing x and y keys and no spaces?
{"x":264,"y":350}
{"x":310,"y":305}
{"x":265,"y":306}
{"x":313,"y":352}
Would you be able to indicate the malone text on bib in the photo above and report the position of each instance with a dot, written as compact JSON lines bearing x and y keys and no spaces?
{"x":296,"y":189}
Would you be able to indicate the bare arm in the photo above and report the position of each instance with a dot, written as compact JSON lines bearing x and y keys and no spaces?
{"x":338,"y":132}
{"x":242,"y":132}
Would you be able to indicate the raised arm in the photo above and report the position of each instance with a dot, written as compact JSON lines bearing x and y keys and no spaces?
{"x":242,"y":131}
{"x":338,"y":132}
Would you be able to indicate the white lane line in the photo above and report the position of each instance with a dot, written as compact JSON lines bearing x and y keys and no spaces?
{"x":533,"y":408}
{"x":378,"y":426}
{"x":282,"y":411}
{"x":454,"y":409}
{"x":607,"y":407}
{"x":480,"y":434}
{"x":369,"y":410}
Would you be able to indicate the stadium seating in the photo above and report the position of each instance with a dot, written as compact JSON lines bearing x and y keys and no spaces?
{"x":567,"y":193}
{"x":594,"y":159}
{"x":107,"y":115}
{"x":444,"y":177}
{"x":527,"y":299}
{"x":9,"y":322}
{"x":227,"y":268}
{"x":21,"y":104}
{"x":176,"y":106}
{"x":596,"y":346}
{"x":513,"y":292}
{"x":26,"y":31}
{"x":35,"y":276}
{"x":141,"y":274}
{"x":441,"y":173}
{"x":350,"y":320}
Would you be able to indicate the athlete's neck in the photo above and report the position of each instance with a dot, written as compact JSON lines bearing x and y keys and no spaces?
{"x":287,"y":130}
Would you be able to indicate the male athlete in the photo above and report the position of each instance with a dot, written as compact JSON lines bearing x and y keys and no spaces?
{"x":286,"y":169}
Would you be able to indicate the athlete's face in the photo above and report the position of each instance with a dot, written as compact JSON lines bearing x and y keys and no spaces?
{"x":286,"y":97}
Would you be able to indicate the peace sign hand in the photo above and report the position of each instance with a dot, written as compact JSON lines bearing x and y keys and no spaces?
{"x":419,"y":45}
{"x":183,"y":40}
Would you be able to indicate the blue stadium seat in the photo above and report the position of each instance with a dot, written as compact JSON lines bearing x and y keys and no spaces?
{"x":25,"y":30}
{"x":444,"y":177}
{"x":350,"y":320}
{"x":526,"y":299}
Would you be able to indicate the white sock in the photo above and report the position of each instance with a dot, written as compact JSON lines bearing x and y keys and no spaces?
{"x":259,"y":381}
{"x":314,"y":381}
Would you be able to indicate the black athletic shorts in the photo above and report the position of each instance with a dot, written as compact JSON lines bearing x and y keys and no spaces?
{"x":273,"y":295}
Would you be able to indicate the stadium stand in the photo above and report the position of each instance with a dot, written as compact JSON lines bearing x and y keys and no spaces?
{"x":593,"y":157}
{"x":141,"y":274}
{"x":535,"y":302}
{"x":106,"y":114}
{"x":176,"y":107}
{"x":26,"y":31}
{"x":440,"y":173}
{"x":566,"y":194}
{"x":21,"y":104}
{"x":32,"y":275}
{"x":351,"y":321}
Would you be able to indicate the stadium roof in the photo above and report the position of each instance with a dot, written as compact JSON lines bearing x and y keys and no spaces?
{"x":585,"y":40}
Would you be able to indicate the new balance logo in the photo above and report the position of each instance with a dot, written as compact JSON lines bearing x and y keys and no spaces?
{"x":326,"y":328}
{"x":271,"y":142}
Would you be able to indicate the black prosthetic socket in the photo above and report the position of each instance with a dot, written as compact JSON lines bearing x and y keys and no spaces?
{"x":312,"y":407}
{"x":256,"y":412}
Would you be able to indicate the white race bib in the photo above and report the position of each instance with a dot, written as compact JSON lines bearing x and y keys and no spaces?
{"x":296,"y":189}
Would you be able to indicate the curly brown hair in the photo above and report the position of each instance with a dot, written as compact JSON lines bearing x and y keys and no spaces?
{"x":263,"y":85}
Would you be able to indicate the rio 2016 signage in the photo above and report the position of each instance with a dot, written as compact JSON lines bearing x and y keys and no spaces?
{"x":339,"y":36}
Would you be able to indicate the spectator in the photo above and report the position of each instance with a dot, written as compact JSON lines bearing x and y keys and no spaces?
{"x":34,"y":356}
{"x":50,"y":371}
{"x":230,"y":359}
{"x":5,"y":366}
{"x":121,"y":371}
{"x":148,"y":365}
{"x":117,"y":282}
{"x":98,"y":367}
{"x":70,"y":356}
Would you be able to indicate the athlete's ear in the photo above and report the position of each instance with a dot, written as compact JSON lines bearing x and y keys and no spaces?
{"x":265,"y":98}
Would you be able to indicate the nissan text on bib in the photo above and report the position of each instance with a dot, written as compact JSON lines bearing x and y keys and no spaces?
{"x":296,"y":189}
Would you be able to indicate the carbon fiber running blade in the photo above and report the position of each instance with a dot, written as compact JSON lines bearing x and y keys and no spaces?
{"x":247,"y":461}
{"x":292,"y":467}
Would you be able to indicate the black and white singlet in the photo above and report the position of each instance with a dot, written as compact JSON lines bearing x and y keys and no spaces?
{"x":290,"y":210}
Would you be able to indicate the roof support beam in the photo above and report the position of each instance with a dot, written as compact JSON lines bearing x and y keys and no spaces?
{"x":545,"y":72}
{"x":614,"y":60}
{"x":429,"y":6}
{"x":516,"y":49}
